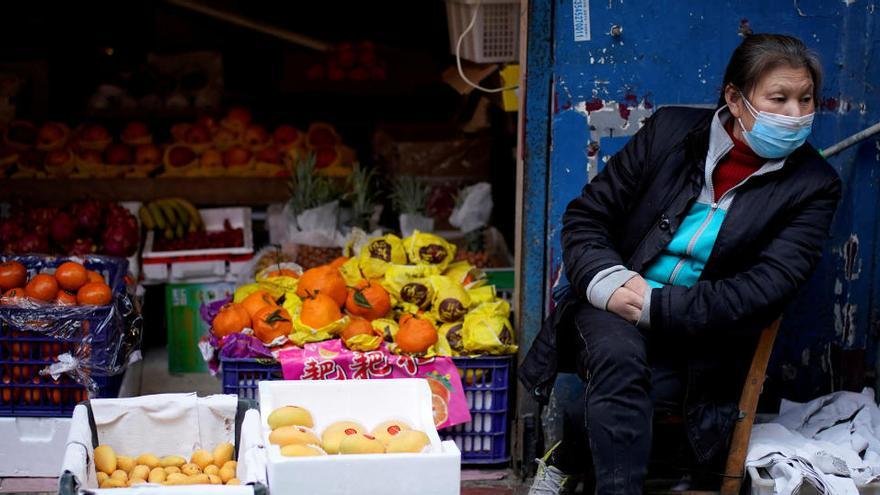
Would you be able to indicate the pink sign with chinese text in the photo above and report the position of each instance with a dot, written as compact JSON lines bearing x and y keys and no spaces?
{"x":330,"y":360}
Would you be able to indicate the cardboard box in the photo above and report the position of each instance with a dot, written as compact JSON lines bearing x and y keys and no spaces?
{"x":32,"y":447}
{"x":369,"y":402}
{"x":185,"y":320}
{"x":164,"y":424}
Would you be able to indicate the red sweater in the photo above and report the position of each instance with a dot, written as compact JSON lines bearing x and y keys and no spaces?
{"x":739,"y":163}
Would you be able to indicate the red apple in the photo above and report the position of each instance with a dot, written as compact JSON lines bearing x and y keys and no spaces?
{"x":147,"y":154}
{"x":118,"y":154}
{"x":181,"y":156}
{"x":207,"y":122}
{"x":136,"y":132}
{"x":236,"y":157}
{"x":322,"y":135}
{"x":211,"y":159}
{"x":238,"y":117}
{"x":269,"y":155}
{"x":285,"y":135}
{"x":93,"y":133}
{"x":178,"y":131}
{"x":91,"y":156}
{"x":255,"y":136}
{"x":57,"y":158}
{"x":324,"y":157}
{"x":51,"y":133}
{"x":197,"y":134}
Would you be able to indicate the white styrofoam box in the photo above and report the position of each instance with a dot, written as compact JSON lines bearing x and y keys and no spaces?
{"x":32,"y":447}
{"x":164,"y":424}
{"x":203,"y":264}
{"x":368,"y":402}
{"x":764,"y":485}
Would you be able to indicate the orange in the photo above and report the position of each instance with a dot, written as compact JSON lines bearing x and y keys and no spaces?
{"x":232,"y":318}
{"x":260,"y":299}
{"x":71,"y":275}
{"x":323,"y":279}
{"x":42,"y":288}
{"x":357,"y":326}
{"x":94,"y":276}
{"x":284,"y":272}
{"x":65,"y":298}
{"x":415,"y":335}
{"x":319,"y":311}
{"x":12,"y":274}
{"x":440,"y":410}
{"x":368,"y":300}
{"x":94,"y":294}
{"x":339,"y":262}
{"x":272,"y":322}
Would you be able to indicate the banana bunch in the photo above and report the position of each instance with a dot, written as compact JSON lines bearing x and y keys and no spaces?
{"x":173,"y":217}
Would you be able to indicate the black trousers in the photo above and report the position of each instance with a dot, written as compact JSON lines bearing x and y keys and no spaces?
{"x":630,"y":375}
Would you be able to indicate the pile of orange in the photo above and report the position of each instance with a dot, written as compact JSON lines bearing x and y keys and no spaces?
{"x":70,"y":285}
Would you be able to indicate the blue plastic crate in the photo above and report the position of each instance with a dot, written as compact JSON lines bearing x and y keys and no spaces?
{"x":486,"y":383}
{"x":92,"y":334}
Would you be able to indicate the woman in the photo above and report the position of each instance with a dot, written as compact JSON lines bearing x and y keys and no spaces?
{"x":693,"y":238}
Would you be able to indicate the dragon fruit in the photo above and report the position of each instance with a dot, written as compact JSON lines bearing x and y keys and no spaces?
{"x":63,"y":229}
{"x":10,"y":231}
{"x":89,"y":216}
{"x":32,"y":243}
{"x":121,"y":236}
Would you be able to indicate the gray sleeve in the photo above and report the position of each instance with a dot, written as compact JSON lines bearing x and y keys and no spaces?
{"x":605,"y":283}
{"x":645,"y":319}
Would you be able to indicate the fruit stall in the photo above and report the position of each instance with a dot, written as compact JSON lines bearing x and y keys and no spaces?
{"x":263,"y":215}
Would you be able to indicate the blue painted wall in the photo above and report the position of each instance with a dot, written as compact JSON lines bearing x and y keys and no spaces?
{"x":673,"y":53}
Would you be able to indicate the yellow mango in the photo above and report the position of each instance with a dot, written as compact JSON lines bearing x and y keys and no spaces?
{"x":212,"y":469}
{"x":140,"y":471}
{"x":102,"y":477}
{"x":215,"y":479}
{"x":148,"y":460}
{"x":176,"y":479}
{"x":113,"y":483}
{"x":233,"y":481}
{"x":223,"y":453}
{"x":125,"y":463}
{"x":157,"y":475}
{"x":136,"y":481}
{"x":190,"y":469}
{"x":172,"y":469}
{"x":230,"y":464}
{"x":201,"y":458}
{"x":227,"y":474}
{"x":172,"y":460}
{"x":200,"y":479}
{"x":119,"y":475}
{"x":105,"y":459}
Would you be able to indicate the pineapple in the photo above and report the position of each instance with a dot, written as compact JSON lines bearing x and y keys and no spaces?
{"x":308,"y":190}
{"x":362,"y":195}
{"x":410,"y":195}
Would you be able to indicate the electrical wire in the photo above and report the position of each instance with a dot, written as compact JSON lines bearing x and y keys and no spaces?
{"x":464,"y":78}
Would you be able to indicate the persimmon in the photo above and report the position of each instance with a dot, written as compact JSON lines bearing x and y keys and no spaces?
{"x":42,"y":287}
{"x":256,"y":301}
{"x":71,"y":275}
{"x":325,"y":280}
{"x":357,"y":326}
{"x":94,"y":294}
{"x":12,"y":274}
{"x":65,"y":298}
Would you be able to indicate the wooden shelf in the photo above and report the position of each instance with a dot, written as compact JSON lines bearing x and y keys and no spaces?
{"x":230,"y":191}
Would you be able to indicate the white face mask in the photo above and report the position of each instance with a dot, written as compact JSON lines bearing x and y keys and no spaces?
{"x":774,"y":135}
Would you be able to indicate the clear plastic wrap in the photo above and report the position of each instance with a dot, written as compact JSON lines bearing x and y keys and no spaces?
{"x":47,"y":351}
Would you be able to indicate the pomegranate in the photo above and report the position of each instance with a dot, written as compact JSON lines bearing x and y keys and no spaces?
{"x":63,"y":229}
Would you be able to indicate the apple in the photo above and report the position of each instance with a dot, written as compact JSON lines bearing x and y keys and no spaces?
{"x":255,"y":136}
{"x":58,"y":158}
{"x":118,"y":154}
{"x":181,"y":156}
{"x":236,"y":156}
{"x":285,"y":135}
{"x":91,"y":156}
{"x":51,"y":133}
{"x":92,"y":133}
{"x":270,"y":154}
{"x":178,"y":131}
{"x":147,"y":154}
{"x":136,"y":133}
{"x":197,"y":134}
{"x":324,"y":157}
{"x":21,"y":134}
{"x":211,"y":159}
{"x":237,"y":118}
{"x":322,"y":135}
{"x":207,"y":122}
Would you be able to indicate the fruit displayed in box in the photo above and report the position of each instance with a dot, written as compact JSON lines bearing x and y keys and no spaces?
{"x":204,"y":468}
{"x":233,"y":146}
{"x":84,"y":227}
{"x":291,"y":429}
{"x":179,"y":226}
{"x":71,"y":284}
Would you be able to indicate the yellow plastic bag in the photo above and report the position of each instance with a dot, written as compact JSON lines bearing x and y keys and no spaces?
{"x":303,"y":333}
{"x":351,"y":272}
{"x":486,"y":332}
{"x":469,"y":276}
{"x":450,"y":333}
{"x":450,"y":302}
{"x":409,"y":287}
{"x":429,"y":249}
{"x":379,"y":253}
{"x":480,"y":295}
{"x":386,"y":327}
{"x":363,"y":343}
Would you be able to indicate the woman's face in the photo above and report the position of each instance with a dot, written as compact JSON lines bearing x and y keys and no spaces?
{"x":783,"y":90}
